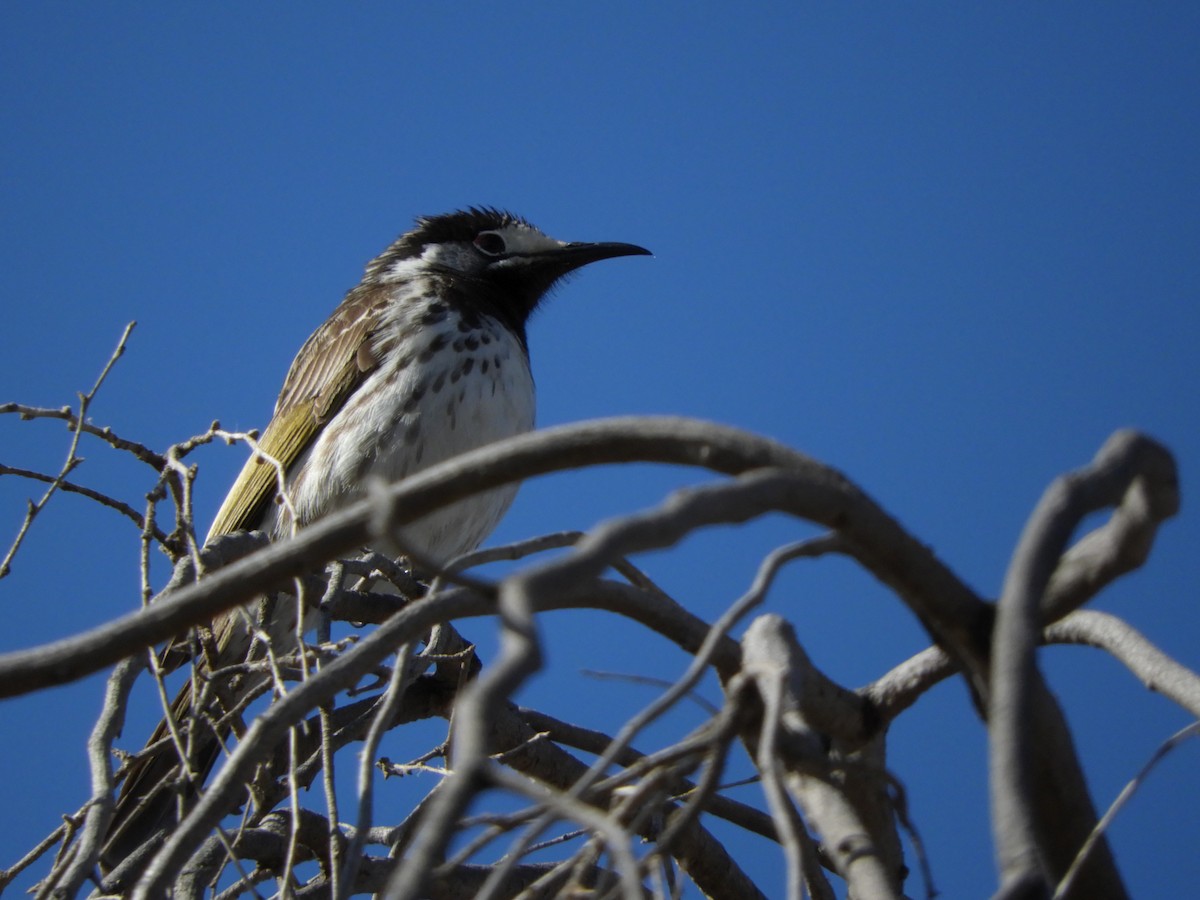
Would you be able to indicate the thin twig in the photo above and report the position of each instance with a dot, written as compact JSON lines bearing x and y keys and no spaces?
{"x":100,"y":809}
{"x":106,"y":434}
{"x":72,"y":460}
{"x":1127,"y":792}
{"x":381,"y":722}
{"x":43,"y":846}
{"x":69,"y":487}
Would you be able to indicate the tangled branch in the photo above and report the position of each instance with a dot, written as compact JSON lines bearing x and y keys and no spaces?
{"x":622,"y":821}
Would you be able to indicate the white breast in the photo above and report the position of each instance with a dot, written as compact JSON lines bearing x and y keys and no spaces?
{"x":453,"y":390}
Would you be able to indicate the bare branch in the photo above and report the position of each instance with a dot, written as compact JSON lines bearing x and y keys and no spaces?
{"x":69,"y":487}
{"x":900,"y":688}
{"x":818,"y":746}
{"x":61,"y":833}
{"x":595,"y":742}
{"x":1150,"y":665}
{"x":100,"y":807}
{"x":1067,"y":883}
{"x":1123,"y":543}
{"x":809,"y":489}
{"x":72,"y":460}
{"x":68,"y":415}
{"x":1024,"y":721}
{"x":861,"y":842}
{"x":387,"y":710}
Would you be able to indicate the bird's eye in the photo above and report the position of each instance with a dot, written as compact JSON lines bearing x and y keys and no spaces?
{"x":490,"y":243}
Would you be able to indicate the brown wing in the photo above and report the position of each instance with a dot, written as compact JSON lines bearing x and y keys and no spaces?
{"x":332,"y":363}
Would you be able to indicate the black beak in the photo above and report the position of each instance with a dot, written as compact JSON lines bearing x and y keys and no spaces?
{"x":531,"y":275}
{"x":570,"y":257}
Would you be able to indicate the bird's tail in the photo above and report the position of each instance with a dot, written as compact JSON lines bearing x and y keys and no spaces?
{"x":159,"y":788}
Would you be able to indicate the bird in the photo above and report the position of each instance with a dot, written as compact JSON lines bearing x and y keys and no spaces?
{"x":425,"y":358}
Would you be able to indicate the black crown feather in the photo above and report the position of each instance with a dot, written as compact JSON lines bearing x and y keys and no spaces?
{"x":460,"y":225}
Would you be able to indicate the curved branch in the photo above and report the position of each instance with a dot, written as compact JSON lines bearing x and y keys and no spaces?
{"x":842,"y":802}
{"x":946,"y":606}
{"x":1123,"y":543}
{"x":410,"y":623}
{"x":1032,"y":759}
{"x":805,"y":487}
{"x":1151,"y":666}
{"x":901,"y":687}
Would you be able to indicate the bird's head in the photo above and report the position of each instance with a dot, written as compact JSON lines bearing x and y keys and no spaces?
{"x":493,"y":252}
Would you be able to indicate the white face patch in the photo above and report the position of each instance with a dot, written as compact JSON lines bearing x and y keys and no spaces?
{"x":454,"y":256}
{"x":526,"y":239}
{"x":404,"y":269}
{"x":519,"y":240}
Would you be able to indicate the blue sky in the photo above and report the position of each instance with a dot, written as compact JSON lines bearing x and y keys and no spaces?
{"x":947,"y":249}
